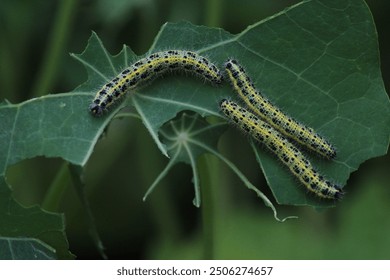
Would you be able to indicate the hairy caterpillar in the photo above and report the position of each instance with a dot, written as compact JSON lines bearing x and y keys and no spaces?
{"x":148,"y":68}
{"x":269,"y":112}
{"x":283,"y":148}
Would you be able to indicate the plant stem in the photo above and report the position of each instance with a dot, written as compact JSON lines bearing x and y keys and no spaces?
{"x":75,"y":173}
{"x":208,"y":173}
{"x":55,"y":48}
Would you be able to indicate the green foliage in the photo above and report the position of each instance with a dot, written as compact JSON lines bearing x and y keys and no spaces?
{"x":317,"y":60}
{"x":25,"y":249}
{"x":23,"y":231}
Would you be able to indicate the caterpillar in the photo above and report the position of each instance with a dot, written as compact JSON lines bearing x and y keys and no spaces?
{"x":266,"y":110}
{"x":148,"y":68}
{"x":287,"y":153}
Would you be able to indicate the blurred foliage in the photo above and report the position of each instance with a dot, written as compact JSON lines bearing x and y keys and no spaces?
{"x":358,"y":228}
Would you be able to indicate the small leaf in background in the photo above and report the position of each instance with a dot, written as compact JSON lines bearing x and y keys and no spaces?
{"x":25,"y":249}
{"x":22,"y":228}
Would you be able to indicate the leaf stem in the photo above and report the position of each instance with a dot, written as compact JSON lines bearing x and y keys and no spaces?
{"x":75,"y":172}
{"x":208,"y":173}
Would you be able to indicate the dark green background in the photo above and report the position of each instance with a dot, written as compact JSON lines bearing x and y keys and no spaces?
{"x":167,"y":225}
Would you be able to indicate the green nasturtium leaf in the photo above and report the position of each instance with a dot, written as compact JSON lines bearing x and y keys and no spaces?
{"x":326,"y":73}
